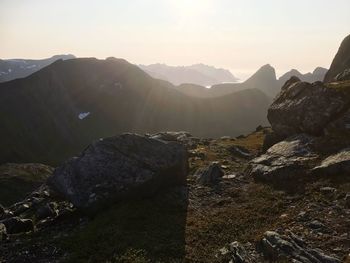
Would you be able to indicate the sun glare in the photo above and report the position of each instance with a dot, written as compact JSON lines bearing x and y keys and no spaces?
{"x":192,"y":10}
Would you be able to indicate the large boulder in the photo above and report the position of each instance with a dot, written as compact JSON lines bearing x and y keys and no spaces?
{"x":302,"y":107}
{"x":284,"y":161}
{"x":343,"y":76}
{"x":340,"y":62}
{"x":119,"y":167}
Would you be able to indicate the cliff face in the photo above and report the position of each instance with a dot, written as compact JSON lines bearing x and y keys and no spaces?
{"x":341,"y":61}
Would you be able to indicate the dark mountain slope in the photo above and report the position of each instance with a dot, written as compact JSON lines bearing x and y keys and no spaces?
{"x":19,"y":68}
{"x":341,"y":60}
{"x":57,"y":111}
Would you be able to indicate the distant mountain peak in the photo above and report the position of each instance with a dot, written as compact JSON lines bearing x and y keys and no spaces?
{"x":320,"y":70}
{"x":316,"y":75}
{"x":199,"y":74}
{"x":266,"y":71}
{"x":294,"y":71}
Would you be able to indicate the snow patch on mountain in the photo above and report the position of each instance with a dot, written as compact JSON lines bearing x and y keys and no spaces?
{"x":83,"y":115}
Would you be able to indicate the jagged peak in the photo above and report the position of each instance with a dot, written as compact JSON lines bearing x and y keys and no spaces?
{"x":266,"y":70}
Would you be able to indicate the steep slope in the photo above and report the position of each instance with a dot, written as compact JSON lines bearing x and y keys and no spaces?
{"x":198,"y":74}
{"x":19,"y":68}
{"x":341,"y":60}
{"x":56,"y":112}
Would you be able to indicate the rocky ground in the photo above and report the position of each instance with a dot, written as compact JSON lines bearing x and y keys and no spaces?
{"x":222,"y":214}
{"x":279,"y":194}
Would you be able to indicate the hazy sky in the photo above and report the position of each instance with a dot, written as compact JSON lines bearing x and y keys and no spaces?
{"x":241,"y":35}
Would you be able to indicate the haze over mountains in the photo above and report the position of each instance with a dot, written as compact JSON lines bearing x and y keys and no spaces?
{"x":264,"y":79}
{"x":198,"y":74}
{"x":190,"y":80}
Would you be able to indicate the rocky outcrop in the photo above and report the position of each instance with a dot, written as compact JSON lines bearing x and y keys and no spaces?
{"x":343,"y":76}
{"x":209,"y":175}
{"x":302,"y":107}
{"x":277,"y":247}
{"x":340,"y":62}
{"x":123,"y":166}
{"x":182,"y":137}
{"x":172,"y":136}
{"x":336,"y":164}
{"x":236,"y":252}
{"x":284,"y":161}
{"x":38,"y":210}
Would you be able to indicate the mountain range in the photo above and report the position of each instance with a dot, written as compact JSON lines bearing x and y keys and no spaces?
{"x":67,"y":102}
{"x":19,"y":68}
{"x":198,"y":74}
{"x":190,"y":80}
{"x":264,"y":79}
{"x":55,"y":112}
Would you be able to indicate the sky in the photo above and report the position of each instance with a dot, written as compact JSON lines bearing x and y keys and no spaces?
{"x":240,"y":35}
